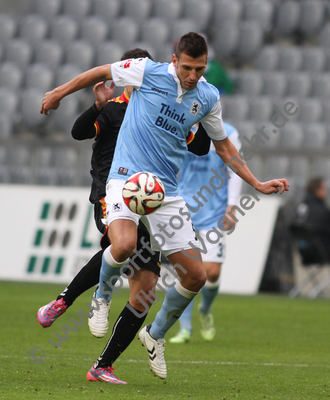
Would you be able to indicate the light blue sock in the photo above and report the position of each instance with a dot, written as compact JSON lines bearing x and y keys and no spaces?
{"x":208,"y":296}
{"x":176,"y":300}
{"x":185,"y":319}
{"x":109,"y":274}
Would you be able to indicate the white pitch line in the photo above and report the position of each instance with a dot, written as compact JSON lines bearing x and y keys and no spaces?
{"x":195,"y":362}
{"x":235,"y":363}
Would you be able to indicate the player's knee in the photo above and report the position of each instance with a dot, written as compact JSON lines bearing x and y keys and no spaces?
{"x":202,"y":278}
{"x":125,"y":245}
{"x":213,"y":275}
{"x":128,"y":246}
{"x":197,"y":280}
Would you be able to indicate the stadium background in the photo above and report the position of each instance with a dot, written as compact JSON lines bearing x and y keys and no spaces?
{"x":267,"y":346}
{"x":275,"y":51}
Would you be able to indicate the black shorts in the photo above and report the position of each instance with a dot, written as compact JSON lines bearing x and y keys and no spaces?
{"x":100,"y":212}
{"x":146,"y":260}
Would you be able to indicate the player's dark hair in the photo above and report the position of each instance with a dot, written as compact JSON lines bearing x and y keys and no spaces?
{"x":314,"y":184}
{"x":192,"y":44}
{"x":136,"y":53}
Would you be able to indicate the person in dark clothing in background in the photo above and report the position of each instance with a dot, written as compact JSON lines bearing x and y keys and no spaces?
{"x":314,"y":213}
{"x":313,"y":210}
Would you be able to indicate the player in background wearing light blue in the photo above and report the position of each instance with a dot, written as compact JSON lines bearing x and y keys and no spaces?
{"x":194,"y":173}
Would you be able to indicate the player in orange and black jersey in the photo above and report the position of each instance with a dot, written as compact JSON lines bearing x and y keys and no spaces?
{"x":102,"y":122}
{"x":102,"y":125}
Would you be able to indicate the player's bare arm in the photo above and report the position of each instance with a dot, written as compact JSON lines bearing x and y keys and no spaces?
{"x":52,"y":99}
{"x":228,"y":152}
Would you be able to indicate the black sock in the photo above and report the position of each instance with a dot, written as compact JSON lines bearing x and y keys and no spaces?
{"x":124,"y":331}
{"x":87,"y":277}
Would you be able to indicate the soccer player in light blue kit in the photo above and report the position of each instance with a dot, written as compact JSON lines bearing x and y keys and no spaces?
{"x":167,"y":100}
{"x":194,"y":173}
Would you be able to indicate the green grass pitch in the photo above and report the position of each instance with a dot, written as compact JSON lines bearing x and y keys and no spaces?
{"x":266,"y":347}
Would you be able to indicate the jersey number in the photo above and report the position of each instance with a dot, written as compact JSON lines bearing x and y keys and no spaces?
{"x":220,"y":250}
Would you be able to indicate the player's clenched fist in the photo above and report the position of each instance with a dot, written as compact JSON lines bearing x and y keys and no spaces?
{"x":273,"y":186}
{"x":49,"y":102}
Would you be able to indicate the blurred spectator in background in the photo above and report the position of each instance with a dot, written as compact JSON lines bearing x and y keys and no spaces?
{"x":313,"y":211}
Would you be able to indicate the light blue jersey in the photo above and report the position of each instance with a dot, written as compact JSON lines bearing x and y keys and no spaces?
{"x":196,"y":173}
{"x":158,"y":119}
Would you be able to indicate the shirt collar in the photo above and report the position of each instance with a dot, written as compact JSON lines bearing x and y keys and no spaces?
{"x":124,"y":97}
{"x":180,"y":91}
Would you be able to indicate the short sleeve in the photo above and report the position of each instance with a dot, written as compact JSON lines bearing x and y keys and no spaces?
{"x":128,"y":72}
{"x":213,"y":123}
